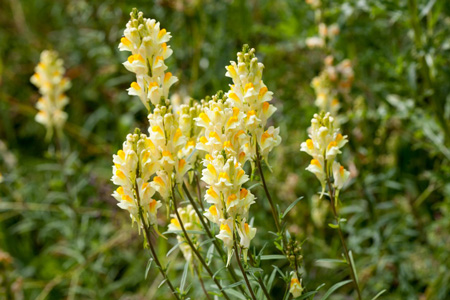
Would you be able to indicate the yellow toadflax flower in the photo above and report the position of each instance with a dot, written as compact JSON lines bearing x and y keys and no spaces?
{"x":147,"y":43}
{"x":49,"y":79}
{"x":251,"y":96}
{"x":225,"y":140}
{"x":296,"y":288}
{"x":333,"y":81}
{"x":323,"y":145}
{"x":132,"y":169}
{"x":191,"y":222}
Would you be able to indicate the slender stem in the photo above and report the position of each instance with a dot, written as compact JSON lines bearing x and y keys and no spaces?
{"x":341,"y":236}
{"x":152,"y":249}
{"x":199,"y":193}
{"x":244,"y":274}
{"x":266,"y":190}
{"x":260,"y":281}
{"x":201,"y":283}
{"x":272,"y":206}
{"x":210,"y":235}
{"x":199,"y":256}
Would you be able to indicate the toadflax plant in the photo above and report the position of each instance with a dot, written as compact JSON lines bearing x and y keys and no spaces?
{"x":196,"y":163}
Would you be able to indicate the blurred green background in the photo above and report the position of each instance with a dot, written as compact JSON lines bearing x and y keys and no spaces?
{"x":61,"y":233}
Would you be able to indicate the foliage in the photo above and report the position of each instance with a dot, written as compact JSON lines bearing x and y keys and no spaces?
{"x":61,"y":233}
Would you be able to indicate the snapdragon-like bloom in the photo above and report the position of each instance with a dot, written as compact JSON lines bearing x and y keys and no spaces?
{"x":191,"y":222}
{"x":133,"y":167}
{"x":296,"y":288}
{"x":326,"y":33}
{"x":324,"y":145}
{"x":226,"y":141}
{"x":331,"y":82}
{"x":173,"y":145}
{"x":49,"y":78}
{"x":251,"y":96}
{"x":147,"y":43}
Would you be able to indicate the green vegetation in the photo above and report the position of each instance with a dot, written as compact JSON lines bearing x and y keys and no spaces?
{"x":62,"y":234}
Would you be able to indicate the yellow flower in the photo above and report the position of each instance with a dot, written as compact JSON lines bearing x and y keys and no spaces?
{"x":147,"y":43}
{"x":296,"y":288}
{"x":52,"y":85}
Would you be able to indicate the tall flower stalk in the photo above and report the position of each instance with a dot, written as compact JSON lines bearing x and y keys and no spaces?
{"x":49,"y":78}
{"x":324,"y":145}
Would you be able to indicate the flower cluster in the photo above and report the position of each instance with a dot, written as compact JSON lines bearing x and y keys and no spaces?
{"x":326,"y":34}
{"x":148,"y":46}
{"x":251,"y":96}
{"x":324,"y":145}
{"x":133,"y":167}
{"x":171,"y":148}
{"x":191,"y":222}
{"x":332,"y":81}
{"x":226,"y":143}
{"x":49,"y":79}
{"x":171,"y":140}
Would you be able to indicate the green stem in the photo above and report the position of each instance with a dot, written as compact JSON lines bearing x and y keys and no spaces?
{"x":201,"y":283}
{"x":341,"y":236}
{"x":266,"y":190}
{"x":199,"y":256}
{"x":210,"y":235}
{"x":260,"y":281}
{"x":152,"y":249}
{"x":244,"y":274}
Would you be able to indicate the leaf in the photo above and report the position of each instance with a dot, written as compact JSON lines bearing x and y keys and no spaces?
{"x":174,"y":248}
{"x":320,"y":286}
{"x":291,"y":206}
{"x":333,"y":225}
{"x":427,"y":8}
{"x":236,"y":294}
{"x":218,"y":271}
{"x":326,"y":262}
{"x":181,"y":232}
{"x":184,"y":276}
{"x":272,"y":257}
{"x":352,"y":262}
{"x":233,"y":285}
{"x":334,"y":288}
{"x":162,"y":282}
{"x":378,"y":295}
{"x":306,"y":295}
{"x":253,"y":186}
{"x":149,"y":265}
{"x":271,"y":279}
{"x":209,"y":254}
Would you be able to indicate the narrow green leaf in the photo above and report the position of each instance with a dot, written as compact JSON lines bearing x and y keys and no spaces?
{"x":149,"y":265}
{"x":174,"y":248}
{"x":236,"y":294}
{"x":379,"y":294}
{"x":209,"y":254}
{"x":218,"y":271}
{"x":184,"y":276}
{"x":162,"y":283}
{"x":271,"y":279}
{"x":353,"y":266}
{"x":181,"y":232}
{"x":253,"y":186}
{"x":272,"y":257}
{"x":233,"y":285}
{"x":291,"y":207}
{"x":334,"y":288}
{"x":334,"y":226}
{"x":306,"y":295}
{"x":320,"y":286}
